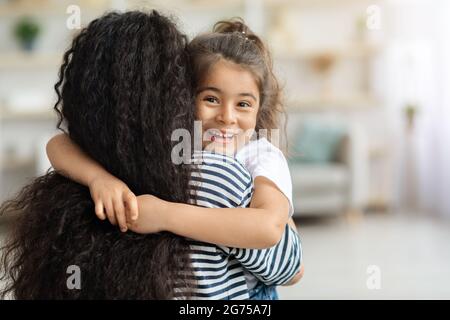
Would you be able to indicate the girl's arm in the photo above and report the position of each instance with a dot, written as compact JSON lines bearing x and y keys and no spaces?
{"x":67,"y":158}
{"x":277,"y":265}
{"x":280,"y":264}
{"x":109,"y":193}
{"x":260,"y":226}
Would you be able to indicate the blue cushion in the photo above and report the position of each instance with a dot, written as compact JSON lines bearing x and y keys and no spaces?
{"x":317,"y":142}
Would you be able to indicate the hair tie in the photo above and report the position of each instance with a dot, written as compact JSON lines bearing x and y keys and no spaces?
{"x":245,"y":35}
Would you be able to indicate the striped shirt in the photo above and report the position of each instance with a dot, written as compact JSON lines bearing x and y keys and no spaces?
{"x":220,"y":272}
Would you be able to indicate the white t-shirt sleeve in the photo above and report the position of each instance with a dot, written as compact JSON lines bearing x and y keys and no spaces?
{"x":261,"y":158}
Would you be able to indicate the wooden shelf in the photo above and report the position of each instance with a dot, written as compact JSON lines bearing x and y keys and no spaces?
{"x":24,"y":60}
{"x":377,"y":203}
{"x":188,"y":4}
{"x":97,"y":7}
{"x":350,"y":51}
{"x":377,"y":152}
{"x":318,"y":4}
{"x":10,"y":163}
{"x":331,"y":102}
{"x":49,"y":7}
{"x":42,"y":114}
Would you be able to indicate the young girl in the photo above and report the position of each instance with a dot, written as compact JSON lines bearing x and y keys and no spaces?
{"x":236,"y":94}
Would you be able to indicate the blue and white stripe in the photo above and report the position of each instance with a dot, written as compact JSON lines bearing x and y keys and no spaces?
{"x":220,"y":181}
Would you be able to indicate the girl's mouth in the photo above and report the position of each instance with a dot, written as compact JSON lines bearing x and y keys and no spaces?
{"x":220,"y":137}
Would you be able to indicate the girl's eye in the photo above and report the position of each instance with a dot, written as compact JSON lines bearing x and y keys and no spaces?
{"x":244,"y":104}
{"x":211,"y":99}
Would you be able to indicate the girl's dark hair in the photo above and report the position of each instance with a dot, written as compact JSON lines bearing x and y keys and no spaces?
{"x":124,"y":86}
{"x":233,"y":41}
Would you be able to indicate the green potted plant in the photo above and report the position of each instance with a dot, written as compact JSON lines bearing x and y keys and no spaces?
{"x":26,"y":32}
{"x":410,"y":111}
{"x":361,"y":29}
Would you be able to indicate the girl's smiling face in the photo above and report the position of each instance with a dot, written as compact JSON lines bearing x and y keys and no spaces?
{"x":227,"y":103}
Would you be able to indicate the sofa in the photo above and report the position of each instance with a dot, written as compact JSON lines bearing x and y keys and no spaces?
{"x":329,"y":161}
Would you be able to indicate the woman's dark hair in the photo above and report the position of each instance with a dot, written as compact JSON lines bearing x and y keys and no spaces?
{"x":232,"y":40}
{"x":124,"y":86}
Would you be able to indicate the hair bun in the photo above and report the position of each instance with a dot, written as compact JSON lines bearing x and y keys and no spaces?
{"x":233,"y":25}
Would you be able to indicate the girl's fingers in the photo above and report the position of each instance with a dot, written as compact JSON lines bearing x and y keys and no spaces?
{"x":110,"y":212}
{"x":132,"y":206}
{"x":119,"y":210}
{"x":99,"y":210}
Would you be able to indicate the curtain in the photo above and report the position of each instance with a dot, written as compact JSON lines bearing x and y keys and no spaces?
{"x":418,"y":73}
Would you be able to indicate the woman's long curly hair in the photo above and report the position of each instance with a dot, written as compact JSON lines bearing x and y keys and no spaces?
{"x":123,"y":87}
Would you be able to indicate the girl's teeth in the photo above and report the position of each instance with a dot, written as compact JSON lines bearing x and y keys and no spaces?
{"x":222,"y":136}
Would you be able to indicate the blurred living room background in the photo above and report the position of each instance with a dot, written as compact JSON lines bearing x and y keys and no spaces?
{"x":367,"y":94}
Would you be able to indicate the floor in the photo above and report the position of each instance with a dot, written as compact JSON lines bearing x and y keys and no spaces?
{"x":378,"y":256}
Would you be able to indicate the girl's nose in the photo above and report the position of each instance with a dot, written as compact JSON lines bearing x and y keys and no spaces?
{"x":227,"y":114}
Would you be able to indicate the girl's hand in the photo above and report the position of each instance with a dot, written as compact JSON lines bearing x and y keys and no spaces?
{"x":152,"y":215}
{"x":113,"y":199}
